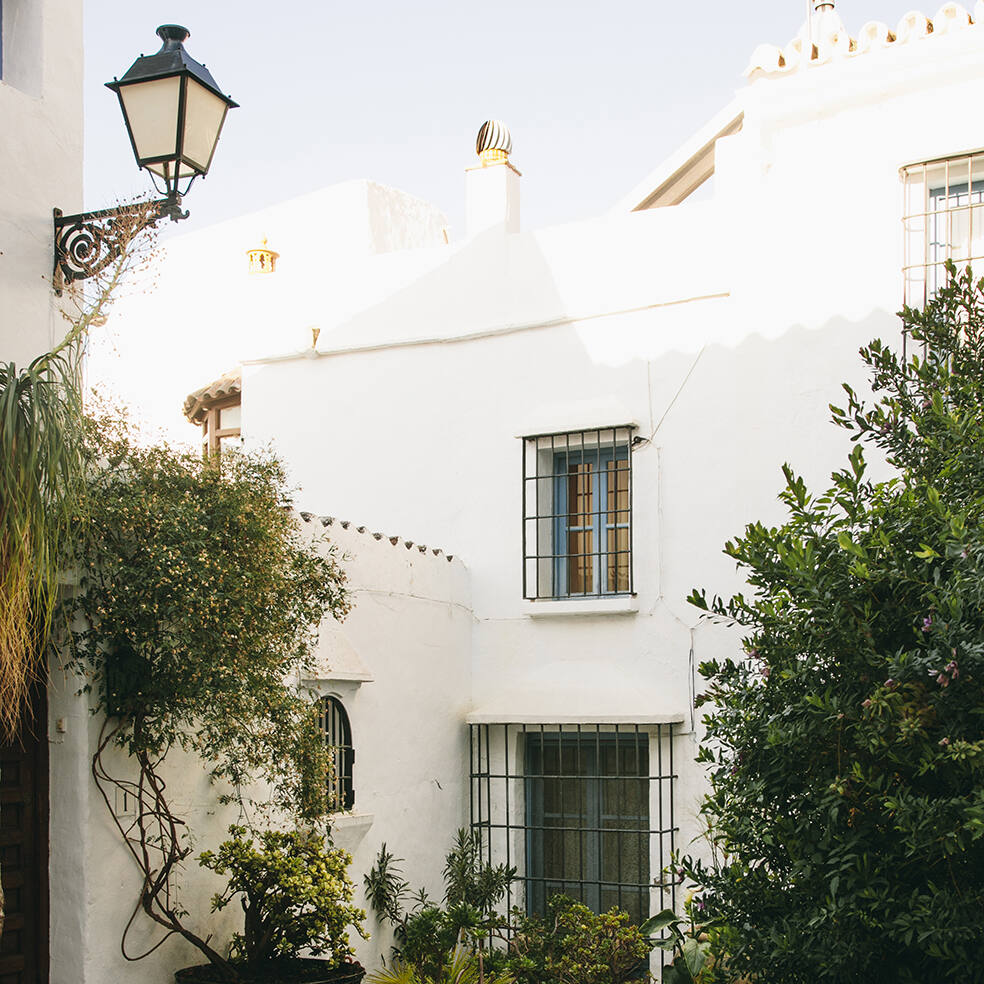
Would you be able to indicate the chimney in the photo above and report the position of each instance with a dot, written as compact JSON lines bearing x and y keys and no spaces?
{"x":492,"y":187}
{"x":262,"y":259}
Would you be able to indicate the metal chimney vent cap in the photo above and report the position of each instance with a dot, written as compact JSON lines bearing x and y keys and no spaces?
{"x":493,"y":135}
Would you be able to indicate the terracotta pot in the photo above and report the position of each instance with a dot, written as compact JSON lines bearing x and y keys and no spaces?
{"x":299,"y":971}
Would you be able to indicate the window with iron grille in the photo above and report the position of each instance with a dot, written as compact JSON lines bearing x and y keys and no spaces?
{"x":577,"y":514}
{"x":584,"y":810}
{"x":943,"y":220}
{"x":335,"y":726}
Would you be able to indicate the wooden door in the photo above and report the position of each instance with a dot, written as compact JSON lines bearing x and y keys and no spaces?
{"x":24,"y":851}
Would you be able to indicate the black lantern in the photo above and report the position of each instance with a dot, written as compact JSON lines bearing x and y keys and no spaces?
{"x":174,"y":113}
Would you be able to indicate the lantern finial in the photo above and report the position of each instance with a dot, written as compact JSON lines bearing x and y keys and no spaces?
{"x":173,"y":34}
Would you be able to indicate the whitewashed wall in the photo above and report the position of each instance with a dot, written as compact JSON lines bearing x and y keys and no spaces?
{"x":152,"y":360}
{"x":41,"y":163}
{"x":722,"y":328}
{"x":399,"y":663}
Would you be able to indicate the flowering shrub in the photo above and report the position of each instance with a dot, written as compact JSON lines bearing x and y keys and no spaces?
{"x":847,"y":748}
{"x":199,"y":598}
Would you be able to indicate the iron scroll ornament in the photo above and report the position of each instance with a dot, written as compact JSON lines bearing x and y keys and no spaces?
{"x":86,"y":243}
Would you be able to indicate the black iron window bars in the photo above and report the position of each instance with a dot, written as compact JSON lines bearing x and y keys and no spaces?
{"x":334,"y":724}
{"x":577,"y":514}
{"x":584,"y":810}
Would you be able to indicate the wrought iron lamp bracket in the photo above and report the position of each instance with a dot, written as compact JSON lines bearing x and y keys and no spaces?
{"x":86,"y":243}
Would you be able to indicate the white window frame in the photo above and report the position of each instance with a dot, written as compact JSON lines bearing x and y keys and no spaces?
{"x":943,"y":219}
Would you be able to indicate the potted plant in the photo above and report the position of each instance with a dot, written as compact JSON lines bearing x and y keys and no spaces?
{"x":296,"y":895}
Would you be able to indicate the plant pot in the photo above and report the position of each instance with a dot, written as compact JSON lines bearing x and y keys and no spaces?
{"x":301,"y":970}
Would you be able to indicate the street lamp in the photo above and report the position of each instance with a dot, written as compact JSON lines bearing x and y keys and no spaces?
{"x":174,"y":111}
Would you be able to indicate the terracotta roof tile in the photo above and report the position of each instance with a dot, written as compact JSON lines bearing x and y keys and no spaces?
{"x":394,"y":540}
{"x":197,"y":403}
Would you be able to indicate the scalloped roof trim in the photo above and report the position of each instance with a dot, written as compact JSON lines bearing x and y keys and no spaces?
{"x":395,"y":541}
{"x":769,"y":59}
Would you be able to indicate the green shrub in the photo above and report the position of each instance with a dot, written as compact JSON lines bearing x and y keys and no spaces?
{"x":573,"y":945}
{"x":428,"y":935}
{"x":295,"y":894}
{"x":198,"y":605}
{"x":847,"y":747}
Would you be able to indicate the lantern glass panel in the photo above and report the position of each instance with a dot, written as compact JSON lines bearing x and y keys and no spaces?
{"x":204,"y":114}
{"x":152,"y":114}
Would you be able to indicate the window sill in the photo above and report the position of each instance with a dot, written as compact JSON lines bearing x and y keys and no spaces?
{"x":351,"y":821}
{"x":546,"y":607}
{"x":339,"y":676}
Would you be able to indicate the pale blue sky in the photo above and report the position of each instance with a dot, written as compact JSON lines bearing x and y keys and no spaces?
{"x":394,"y":90}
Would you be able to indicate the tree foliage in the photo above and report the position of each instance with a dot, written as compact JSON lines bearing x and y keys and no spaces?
{"x":196,"y":613}
{"x":847,"y":748}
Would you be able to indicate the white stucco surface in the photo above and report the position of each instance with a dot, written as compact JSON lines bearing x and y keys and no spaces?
{"x":719,"y":329}
{"x":41,"y":163}
{"x":202,"y":311}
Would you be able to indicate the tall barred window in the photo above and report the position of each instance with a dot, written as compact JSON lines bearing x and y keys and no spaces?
{"x":943,"y":220}
{"x":577,"y":514}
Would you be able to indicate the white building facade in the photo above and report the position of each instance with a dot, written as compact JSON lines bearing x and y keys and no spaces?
{"x":583,"y":415}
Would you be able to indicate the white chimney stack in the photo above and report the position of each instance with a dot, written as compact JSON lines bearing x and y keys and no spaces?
{"x":492,"y":187}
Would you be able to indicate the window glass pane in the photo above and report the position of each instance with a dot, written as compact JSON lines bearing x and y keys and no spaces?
{"x":588,"y":827}
{"x":335,"y":726}
{"x":204,"y":114}
{"x":152,"y":113}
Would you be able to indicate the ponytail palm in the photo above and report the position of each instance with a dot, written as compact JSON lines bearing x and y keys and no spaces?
{"x":40,"y":467}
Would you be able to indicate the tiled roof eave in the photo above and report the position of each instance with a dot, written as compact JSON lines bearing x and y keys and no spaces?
{"x":197,"y":404}
{"x":770,"y":60}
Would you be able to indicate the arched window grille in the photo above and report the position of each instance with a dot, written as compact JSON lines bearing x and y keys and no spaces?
{"x":341,"y":754}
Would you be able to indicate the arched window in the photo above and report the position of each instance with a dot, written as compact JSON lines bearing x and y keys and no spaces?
{"x":341,"y":754}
